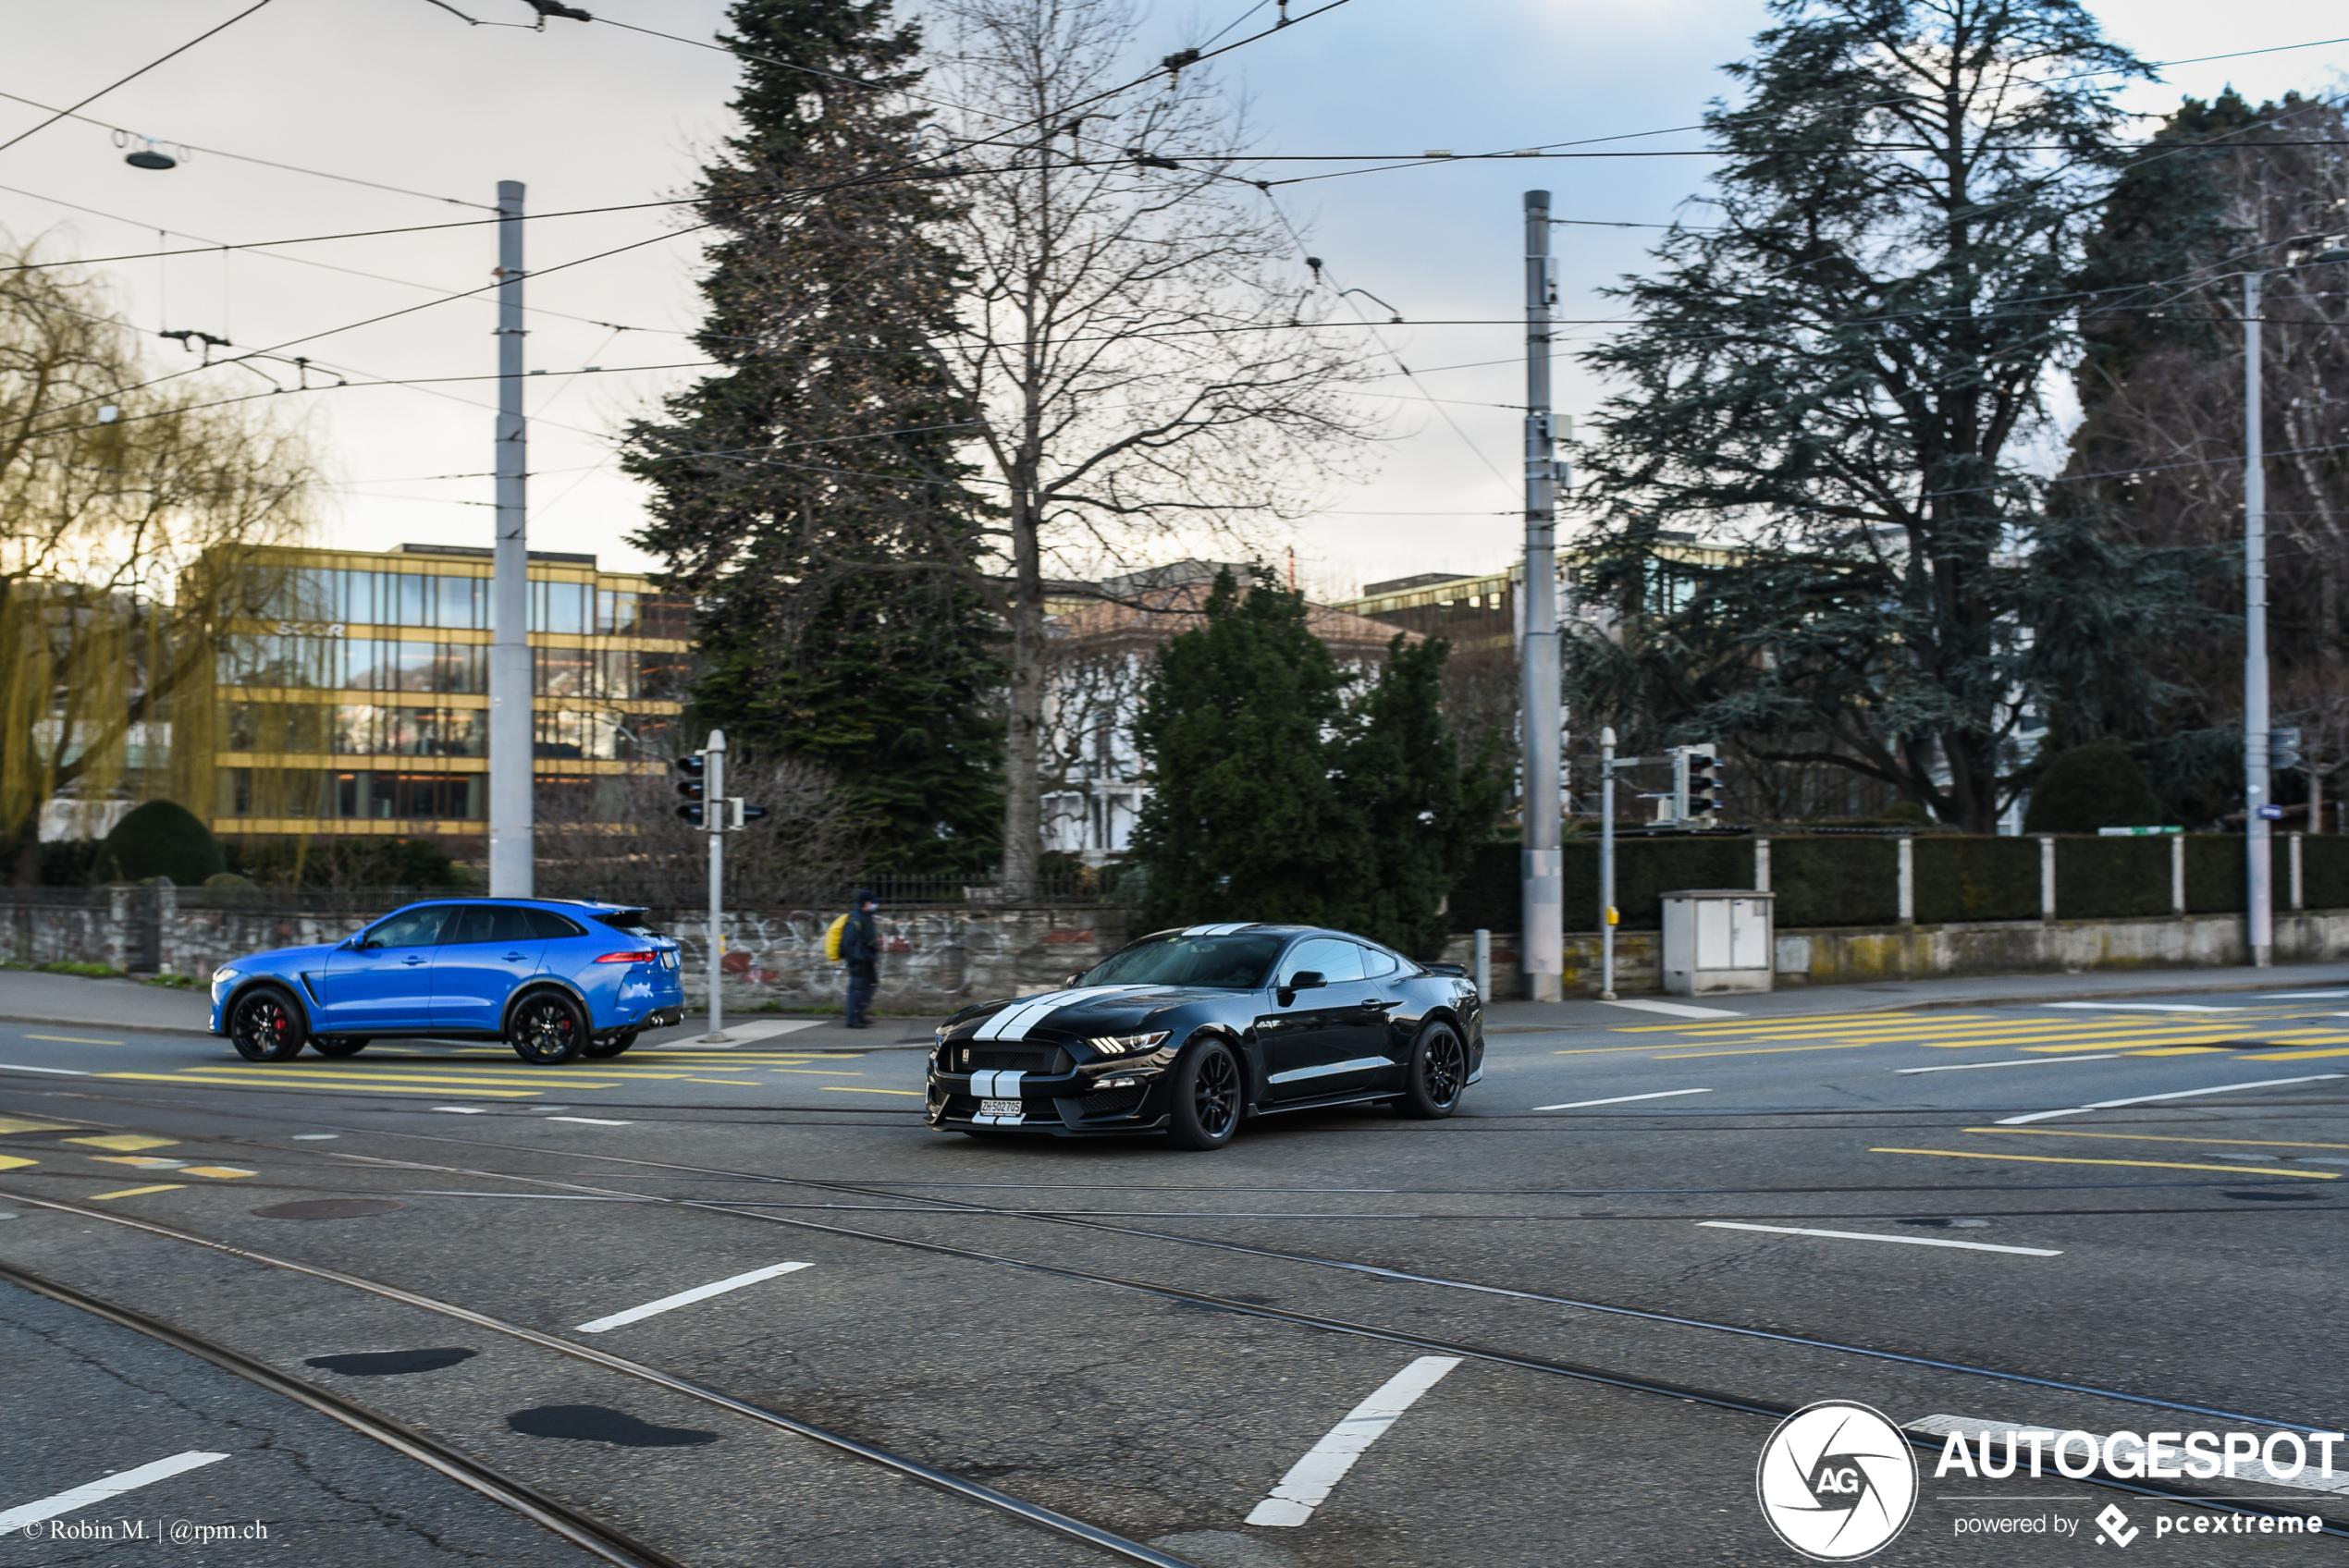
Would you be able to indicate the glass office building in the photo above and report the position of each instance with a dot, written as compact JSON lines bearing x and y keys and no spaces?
{"x":354,"y":698}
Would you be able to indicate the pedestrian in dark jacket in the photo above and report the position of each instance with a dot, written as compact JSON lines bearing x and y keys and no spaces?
{"x":860,"y":949}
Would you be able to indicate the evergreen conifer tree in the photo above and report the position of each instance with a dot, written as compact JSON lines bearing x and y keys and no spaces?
{"x":2098,"y":785}
{"x":1244,"y":820}
{"x":808,"y":492}
{"x":1835,"y":377}
{"x":1274,"y":798}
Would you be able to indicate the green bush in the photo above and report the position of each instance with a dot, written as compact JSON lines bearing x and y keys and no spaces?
{"x":2092,"y":786}
{"x":2111,"y":878}
{"x":1645,"y":869}
{"x":1965,"y":877}
{"x":1836,"y":881}
{"x":1485,"y":894}
{"x":2215,"y":873}
{"x":160,"y":838}
{"x":2324,"y":871}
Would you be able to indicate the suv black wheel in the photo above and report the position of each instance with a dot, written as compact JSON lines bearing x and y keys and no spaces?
{"x":1207,"y":1097}
{"x":548,"y":1029}
{"x":266,"y":1025}
{"x":612,"y":1046}
{"x":338,"y":1045}
{"x":1437,"y":1074}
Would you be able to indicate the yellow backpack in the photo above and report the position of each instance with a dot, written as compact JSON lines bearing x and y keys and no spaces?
{"x":831,"y":939}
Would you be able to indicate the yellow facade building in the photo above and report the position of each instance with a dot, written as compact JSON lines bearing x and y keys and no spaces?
{"x":356,"y":699}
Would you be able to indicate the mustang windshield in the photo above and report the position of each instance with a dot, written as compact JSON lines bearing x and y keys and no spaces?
{"x":1225,"y":963}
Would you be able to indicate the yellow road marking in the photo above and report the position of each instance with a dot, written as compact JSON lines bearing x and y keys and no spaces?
{"x":137,"y":1192}
{"x":219,"y":1171}
{"x":1813,"y":1021}
{"x":11,"y":1162}
{"x":2156,"y":1138}
{"x":856,"y":1089}
{"x":17,"y":1124}
{"x":329,"y":1075}
{"x":2176,"y":1050}
{"x":1611,"y":1050}
{"x":1767,"y":1050}
{"x":124,"y":1142}
{"x":184,"y":1079}
{"x":2149,"y":1164}
{"x":142,"y":1161}
{"x":73,"y":1039}
{"x":730,"y":1082}
{"x":817,"y":1072}
{"x":2291,"y":1056}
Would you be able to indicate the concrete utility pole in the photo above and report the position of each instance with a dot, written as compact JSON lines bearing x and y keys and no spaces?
{"x":715,"y":812}
{"x":1607,"y":864}
{"x":1543,"y":939}
{"x":511,"y":729}
{"x":2258,"y":845}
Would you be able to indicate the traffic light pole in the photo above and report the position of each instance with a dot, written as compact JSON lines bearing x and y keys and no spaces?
{"x":2259,"y":797}
{"x":714,"y":819}
{"x":511,"y":737}
{"x":1607,"y":864}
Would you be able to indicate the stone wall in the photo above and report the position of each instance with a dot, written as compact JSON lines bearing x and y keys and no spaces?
{"x":933,"y":959}
{"x":1849,"y":955}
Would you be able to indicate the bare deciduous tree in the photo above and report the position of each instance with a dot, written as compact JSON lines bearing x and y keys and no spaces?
{"x":1132,"y":339}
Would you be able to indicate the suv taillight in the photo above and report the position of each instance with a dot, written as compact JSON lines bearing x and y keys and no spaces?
{"x":629,"y":958}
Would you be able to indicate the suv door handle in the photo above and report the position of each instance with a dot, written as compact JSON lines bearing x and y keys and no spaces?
{"x":514,"y":958}
{"x":413,"y":959}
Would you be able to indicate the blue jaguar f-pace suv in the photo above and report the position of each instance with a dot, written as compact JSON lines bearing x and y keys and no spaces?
{"x":554,"y":978}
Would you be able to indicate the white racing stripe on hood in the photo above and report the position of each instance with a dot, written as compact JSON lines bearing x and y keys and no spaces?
{"x":1015,"y":1021}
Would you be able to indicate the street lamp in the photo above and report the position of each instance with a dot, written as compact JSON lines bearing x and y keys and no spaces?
{"x":2259,"y":808}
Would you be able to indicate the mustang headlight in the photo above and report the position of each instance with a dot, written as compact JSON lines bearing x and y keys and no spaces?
{"x":1120,"y":1045}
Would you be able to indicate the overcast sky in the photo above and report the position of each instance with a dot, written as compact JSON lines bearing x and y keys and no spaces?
{"x":405,"y":95}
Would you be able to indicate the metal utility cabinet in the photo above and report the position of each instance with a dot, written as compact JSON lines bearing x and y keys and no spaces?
{"x":1716,"y":939}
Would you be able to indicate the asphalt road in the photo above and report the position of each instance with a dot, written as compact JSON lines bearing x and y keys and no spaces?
{"x":1558,"y":1328}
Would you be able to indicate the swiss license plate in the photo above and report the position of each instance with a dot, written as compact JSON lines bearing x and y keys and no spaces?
{"x":998,"y":1107}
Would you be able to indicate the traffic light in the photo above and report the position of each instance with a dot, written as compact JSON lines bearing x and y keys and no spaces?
{"x":2283,"y":749}
{"x":1705,"y":781}
{"x":693,"y":771}
{"x":742,"y":812}
{"x":1696,"y":783}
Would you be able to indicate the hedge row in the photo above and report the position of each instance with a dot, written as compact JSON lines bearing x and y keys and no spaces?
{"x":1856,"y":881}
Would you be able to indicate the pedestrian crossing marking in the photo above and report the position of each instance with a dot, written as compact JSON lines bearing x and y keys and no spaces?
{"x":124,"y":1142}
{"x":137,"y":1192}
{"x":1773,"y":1050}
{"x":18,"y":1124}
{"x":14,"y":1162}
{"x":2178,"y":1050}
{"x":2293,"y":1056}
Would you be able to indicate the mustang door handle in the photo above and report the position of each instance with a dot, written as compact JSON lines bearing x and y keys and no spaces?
{"x":1373,"y":1004}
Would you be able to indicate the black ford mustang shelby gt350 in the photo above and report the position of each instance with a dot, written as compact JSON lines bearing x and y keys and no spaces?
{"x":1190,"y":1031}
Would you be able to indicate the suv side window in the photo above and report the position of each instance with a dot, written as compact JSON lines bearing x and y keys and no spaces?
{"x":1338,"y":961}
{"x":409,"y":928}
{"x":491,"y":923}
{"x":545,"y":922}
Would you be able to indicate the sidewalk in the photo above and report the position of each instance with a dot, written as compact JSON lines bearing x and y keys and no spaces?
{"x":1970,"y":990}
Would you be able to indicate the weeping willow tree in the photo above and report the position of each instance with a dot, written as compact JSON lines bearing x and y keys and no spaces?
{"x":132,"y":525}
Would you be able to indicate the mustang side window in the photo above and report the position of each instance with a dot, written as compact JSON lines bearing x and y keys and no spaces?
{"x":1336,"y":961}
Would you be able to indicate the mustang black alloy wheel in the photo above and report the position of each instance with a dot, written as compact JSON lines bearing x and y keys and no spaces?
{"x":338,"y":1045}
{"x":267,"y":1025}
{"x":548,"y":1029}
{"x":1207,"y":1097}
{"x":1437,"y":1074}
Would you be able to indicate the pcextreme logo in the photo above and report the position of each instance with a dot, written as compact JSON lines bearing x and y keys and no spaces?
{"x":1836,"y":1481}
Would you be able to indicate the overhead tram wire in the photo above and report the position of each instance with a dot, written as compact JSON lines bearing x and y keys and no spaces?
{"x":247,"y":158}
{"x":134,"y":76}
{"x":913,"y":165}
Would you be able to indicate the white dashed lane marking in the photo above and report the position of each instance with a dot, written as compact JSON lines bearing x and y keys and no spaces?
{"x":2173,"y":1095}
{"x":1623,"y":1099}
{"x":686,"y":1298}
{"x":1311,"y":1480}
{"x":1877,"y":1236}
{"x":121,"y":1481}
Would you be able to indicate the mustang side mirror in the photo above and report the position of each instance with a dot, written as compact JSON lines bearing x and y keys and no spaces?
{"x":1076,"y":977}
{"x":1303,"y":980}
